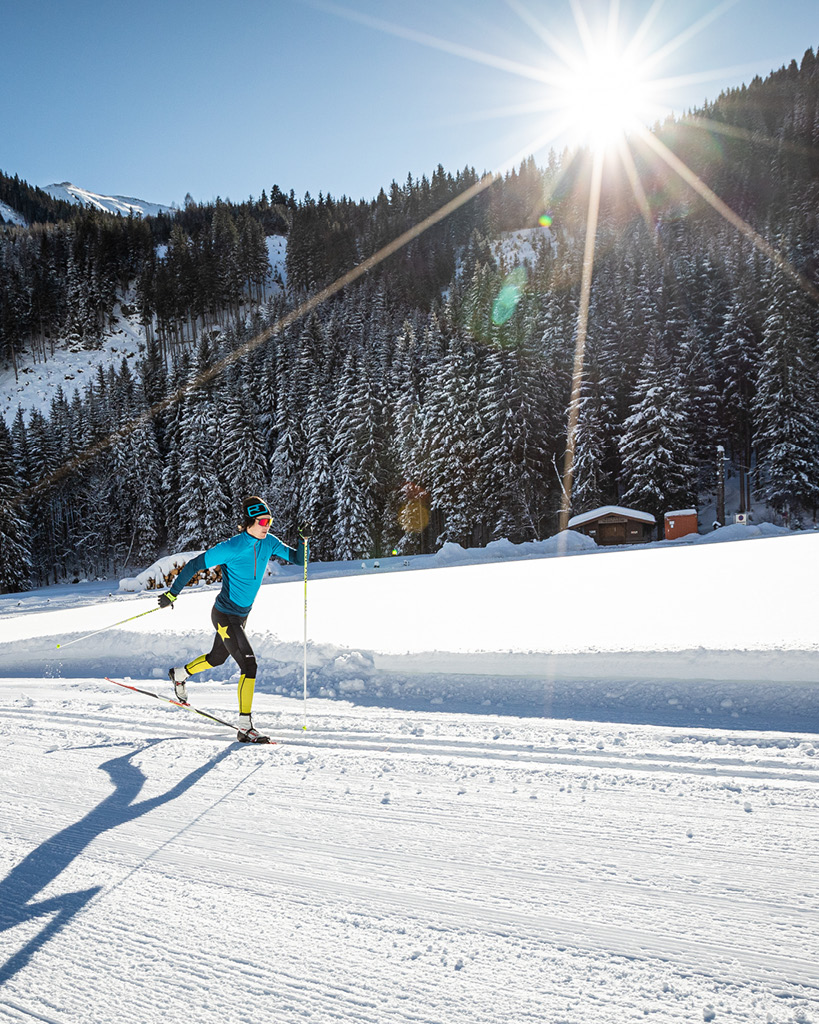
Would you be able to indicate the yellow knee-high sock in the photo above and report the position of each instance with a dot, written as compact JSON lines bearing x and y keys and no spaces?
{"x":199,"y":664}
{"x":246,"y":686}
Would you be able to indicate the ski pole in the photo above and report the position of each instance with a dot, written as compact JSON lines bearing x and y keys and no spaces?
{"x":306,"y":558}
{"x":88,"y":635}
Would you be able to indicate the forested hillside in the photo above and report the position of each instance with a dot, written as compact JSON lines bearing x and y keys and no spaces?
{"x":427,"y":401}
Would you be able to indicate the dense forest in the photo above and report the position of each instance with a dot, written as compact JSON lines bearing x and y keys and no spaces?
{"x":428,"y":400}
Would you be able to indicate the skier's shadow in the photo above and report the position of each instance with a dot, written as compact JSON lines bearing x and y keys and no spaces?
{"x":18,"y":890}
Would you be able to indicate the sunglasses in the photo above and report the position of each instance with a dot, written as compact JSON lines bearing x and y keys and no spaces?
{"x":264,"y":521}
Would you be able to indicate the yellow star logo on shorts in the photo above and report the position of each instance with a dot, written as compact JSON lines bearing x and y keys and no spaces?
{"x":223,"y":632}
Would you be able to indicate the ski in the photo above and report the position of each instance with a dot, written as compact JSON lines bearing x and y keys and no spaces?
{"x":182,"y":704}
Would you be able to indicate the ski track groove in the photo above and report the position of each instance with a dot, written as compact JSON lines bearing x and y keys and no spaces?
{"x":519,"y":754}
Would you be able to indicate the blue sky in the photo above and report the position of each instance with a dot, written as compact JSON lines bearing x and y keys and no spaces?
{"x":163,"y":98}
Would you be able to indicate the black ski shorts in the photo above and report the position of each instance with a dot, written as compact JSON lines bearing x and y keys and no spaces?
{"x":231,"y":641}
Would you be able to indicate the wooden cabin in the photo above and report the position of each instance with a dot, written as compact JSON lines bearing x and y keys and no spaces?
{"x":613,"y":524}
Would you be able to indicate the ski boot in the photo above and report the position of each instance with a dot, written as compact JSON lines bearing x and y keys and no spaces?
{"x":178,"y":676}
{"x":247,"y":734}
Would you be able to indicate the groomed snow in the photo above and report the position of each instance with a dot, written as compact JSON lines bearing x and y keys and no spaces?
{"x":533,"y":787}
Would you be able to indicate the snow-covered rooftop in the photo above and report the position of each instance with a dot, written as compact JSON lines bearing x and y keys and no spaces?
{"x":611,"y":510}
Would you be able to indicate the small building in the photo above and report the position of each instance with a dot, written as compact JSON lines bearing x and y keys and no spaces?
{"x":680,"y":523}
{"x":612,"y":524}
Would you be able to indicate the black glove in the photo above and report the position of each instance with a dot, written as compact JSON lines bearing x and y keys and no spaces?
{"x":167,"y":599}
{"x":306,"y":531}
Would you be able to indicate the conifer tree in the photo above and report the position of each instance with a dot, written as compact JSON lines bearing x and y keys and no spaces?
{"x":516,"y":460}
{"x":655,"y":446}
{"x":242,"y":452}
{"x":357,"y":467}
{"x":287,"y":458}
{"x":785,"y":404}
{"x":204,"y":513}
{"x":593,"y":484}
{"x":699,"y":399}
{"x":15,"y":531}
{"x":317,"y":497}
{"x":736,"y":365}
{"x":451,"y":441}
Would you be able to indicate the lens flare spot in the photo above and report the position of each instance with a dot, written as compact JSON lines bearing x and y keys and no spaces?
{"x":544,"y":220}
{"x":509,"y":296}
{"x":413,"y":516}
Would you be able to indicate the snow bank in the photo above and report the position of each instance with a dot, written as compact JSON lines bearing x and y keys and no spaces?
{"x":565,"y":543}
{"x":694,"y":633}
{"x":734,"y":532}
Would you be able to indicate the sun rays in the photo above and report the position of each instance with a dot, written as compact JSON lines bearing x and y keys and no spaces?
{"x":599,"y":90}
{"x":600,"y":94}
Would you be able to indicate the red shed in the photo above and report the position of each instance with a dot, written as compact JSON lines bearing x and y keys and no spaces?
{"x":680,"y":523}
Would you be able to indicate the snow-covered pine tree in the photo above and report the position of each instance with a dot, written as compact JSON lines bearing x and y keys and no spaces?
{"x":785,"y":405}
{"x":146,"y":496}
{"x":288,"y":455}
{"x":51,"y":511}
{"x":655,"y":447}
{"x":242,"y":452}
{"x":736,"y":358}
{"x":204,"y":514}
{"x":700,"y":400}
{"x":317,"y":497}
{"x":516,"y":461}
{"x":254,"y":265}
{"x":225,"y":241}
{"x":593,"y":484}
{"x":80,"y":323}
{"x":356,"y":467}
{"x":15,"y":530}
{"x":137,"y":471}
{"x":406,"y":513}
{"x":451,"y":442}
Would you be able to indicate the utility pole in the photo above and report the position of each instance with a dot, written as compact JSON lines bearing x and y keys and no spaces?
{"x":742,"y":476}
{"x":721,"y":485}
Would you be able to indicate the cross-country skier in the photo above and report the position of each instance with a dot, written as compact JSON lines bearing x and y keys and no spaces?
{"x":243,"y":559}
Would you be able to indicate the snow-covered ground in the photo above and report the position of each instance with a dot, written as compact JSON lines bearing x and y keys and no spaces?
{"x":518,"y":248}
{"x":11,"y":216}
{"x":35,"y":384}
{"x":277,"y":258}
{"x":533,"y":787}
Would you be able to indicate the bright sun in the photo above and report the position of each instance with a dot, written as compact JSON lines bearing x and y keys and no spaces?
{"x":605,"y":97}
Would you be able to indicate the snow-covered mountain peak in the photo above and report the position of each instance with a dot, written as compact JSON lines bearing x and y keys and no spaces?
{"x":125,"y":205}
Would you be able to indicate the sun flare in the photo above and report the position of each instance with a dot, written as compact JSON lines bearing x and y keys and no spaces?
{"x":606,"y":97}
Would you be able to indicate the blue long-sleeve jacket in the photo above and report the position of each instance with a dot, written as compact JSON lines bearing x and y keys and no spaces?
{"x":243,"y":559}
